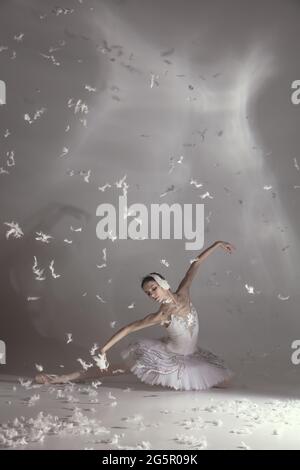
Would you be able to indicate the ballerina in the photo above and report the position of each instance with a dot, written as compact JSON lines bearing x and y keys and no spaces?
{"x":175,"y":360}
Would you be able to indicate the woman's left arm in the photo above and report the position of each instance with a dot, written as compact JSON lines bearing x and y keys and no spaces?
{"x":191,"y":272}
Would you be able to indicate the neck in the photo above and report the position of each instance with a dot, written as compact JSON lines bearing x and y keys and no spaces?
{"x":170,"y":297}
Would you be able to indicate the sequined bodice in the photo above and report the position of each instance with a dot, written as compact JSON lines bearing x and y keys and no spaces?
{"x":182,"y":332}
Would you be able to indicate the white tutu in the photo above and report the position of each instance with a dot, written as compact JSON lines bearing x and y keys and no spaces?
{"x":175,"y":360}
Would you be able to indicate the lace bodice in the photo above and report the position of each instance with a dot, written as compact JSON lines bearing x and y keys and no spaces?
{"x":182,"y":332}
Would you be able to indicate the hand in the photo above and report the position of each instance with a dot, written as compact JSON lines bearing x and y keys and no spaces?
{"x":227,"y":246}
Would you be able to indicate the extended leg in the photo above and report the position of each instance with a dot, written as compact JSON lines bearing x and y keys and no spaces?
{"x":224,"y":384}
{"x":82,"y":375}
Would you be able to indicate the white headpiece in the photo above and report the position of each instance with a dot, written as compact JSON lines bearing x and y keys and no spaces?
{"x":161,"y":282}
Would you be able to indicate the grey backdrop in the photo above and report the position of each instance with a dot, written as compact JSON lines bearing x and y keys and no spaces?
{"x":206,"y":80}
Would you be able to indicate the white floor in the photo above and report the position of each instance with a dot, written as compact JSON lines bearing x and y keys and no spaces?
{"x":123,"y":413}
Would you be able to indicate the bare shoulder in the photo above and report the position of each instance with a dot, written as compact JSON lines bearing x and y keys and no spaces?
{"x":182,"y":304}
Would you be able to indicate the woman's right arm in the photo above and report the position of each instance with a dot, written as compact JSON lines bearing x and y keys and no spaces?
{"x":150,"y":320}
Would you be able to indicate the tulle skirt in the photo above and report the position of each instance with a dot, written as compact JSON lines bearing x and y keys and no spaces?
{"x":155,"y":364}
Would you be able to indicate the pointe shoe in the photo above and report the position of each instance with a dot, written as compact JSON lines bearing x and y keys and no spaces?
{"x":225,"y":384}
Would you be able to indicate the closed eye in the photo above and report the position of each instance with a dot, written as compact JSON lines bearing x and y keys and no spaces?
{"x":149,"y":292}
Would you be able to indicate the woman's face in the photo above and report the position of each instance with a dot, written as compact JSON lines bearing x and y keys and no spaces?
{"x":153,"y":290}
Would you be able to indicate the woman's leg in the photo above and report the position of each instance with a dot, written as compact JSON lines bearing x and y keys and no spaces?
{"x":224,"y":384}
{"x":82,"y":375}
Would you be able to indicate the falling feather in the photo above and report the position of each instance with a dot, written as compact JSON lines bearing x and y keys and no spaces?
{"x":165,"y":262}
{"x":168,"y":190}
{"x":87,"y":177}
{"x":51,"y":267}
{"x":42,"y":237}
{"x":38,"y":272}
{"x":19,"y":37}
{"x":89,"y":88}
{"x":195,"y":183}
{"x":205,"y":195}
{"x":250,"y":289}
{"x":94,"y":349}
{"x":281,"y":297}
{"x":296,"y":165}
{"x":103,"y":188}
{"x":69,"y":338}
{"x":154,"y":80}
{"x":84,"y":365}
{"x":65,"y":151}
{"x":15,"y":230}
{"x":121,"y":182}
